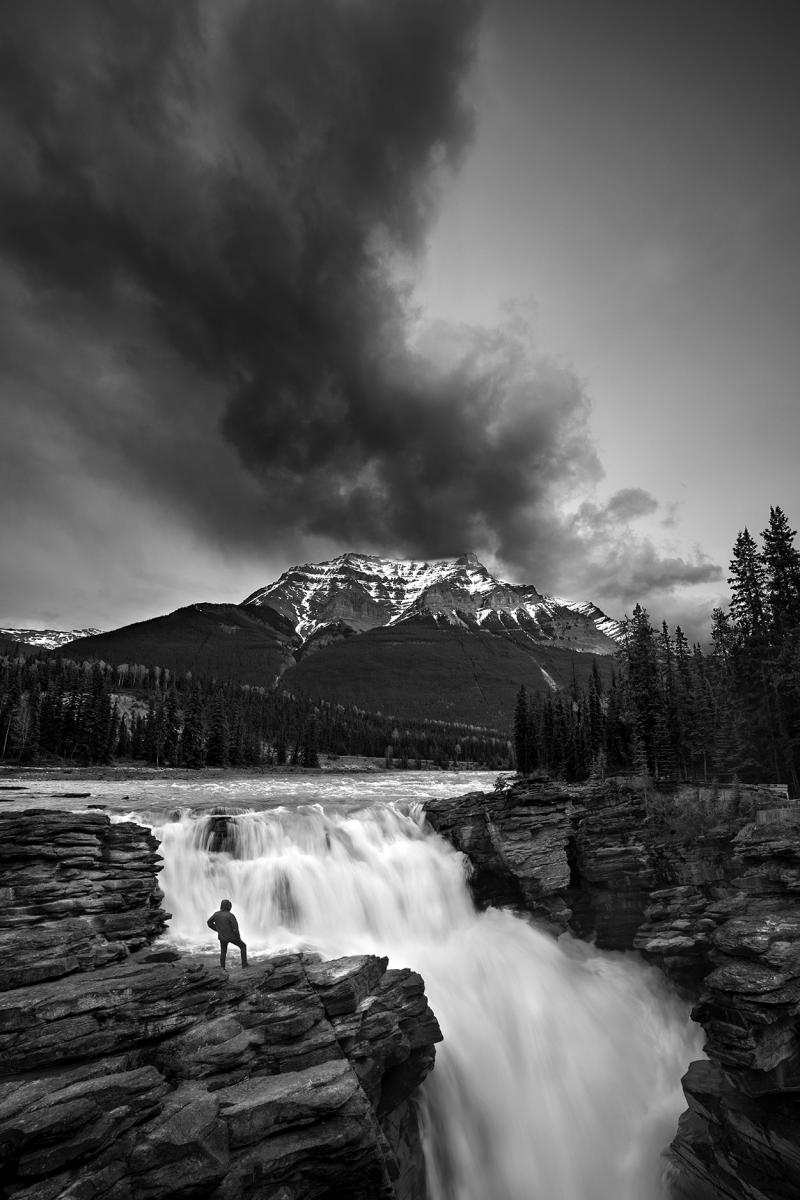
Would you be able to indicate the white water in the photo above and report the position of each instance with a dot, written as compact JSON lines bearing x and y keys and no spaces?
{"x":559,"y":1075}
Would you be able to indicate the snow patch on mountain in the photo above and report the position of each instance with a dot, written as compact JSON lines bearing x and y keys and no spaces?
{"x":47,"y":639}
{"x":548,"y":678}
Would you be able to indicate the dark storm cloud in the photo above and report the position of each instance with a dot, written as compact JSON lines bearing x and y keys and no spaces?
{"x":205,"y":210}
{"x":230,"y":187}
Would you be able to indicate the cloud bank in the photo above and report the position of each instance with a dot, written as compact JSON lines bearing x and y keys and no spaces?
{"x":206,"y":213}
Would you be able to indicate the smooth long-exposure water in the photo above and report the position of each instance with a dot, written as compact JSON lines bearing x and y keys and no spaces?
{"x":559,"y":1074}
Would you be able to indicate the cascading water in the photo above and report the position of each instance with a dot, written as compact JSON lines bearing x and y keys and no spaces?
{"x":558,"y":1078}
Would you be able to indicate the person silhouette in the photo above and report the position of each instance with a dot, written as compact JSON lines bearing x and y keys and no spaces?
{"x":225,"y":925}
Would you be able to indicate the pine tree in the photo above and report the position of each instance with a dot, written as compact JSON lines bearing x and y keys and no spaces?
{"x":781,"y":574}
{"x":310,"y":743}
{"x":123,"y":739}
{"x":155,"y":731}
{"x":747,"y":583}
{"x":522,"y":732}
{"x":171,"y":728}
{"x":192,"y":748}
{"x":595,"y":724}
{"x":218,"y":745}
{"x":97,"y":718}
{"x":643,"y":684}
{"x":617,"y":731}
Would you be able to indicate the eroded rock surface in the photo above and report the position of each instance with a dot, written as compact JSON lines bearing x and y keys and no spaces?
{"x":707,"y":886}
{"x":160,"y":1075}
{"x":76,"y":893}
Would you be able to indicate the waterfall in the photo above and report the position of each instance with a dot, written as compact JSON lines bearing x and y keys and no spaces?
{"x":559,"y":1075}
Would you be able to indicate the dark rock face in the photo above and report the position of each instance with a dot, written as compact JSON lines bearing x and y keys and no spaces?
{"x":707,"y":887}
{"x":570,"y":855}
{"x":160,"y":1075}
{"x":76,"y":893}
{"x":741,"y":1131}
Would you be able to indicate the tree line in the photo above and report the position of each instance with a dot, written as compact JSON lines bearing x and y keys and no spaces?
{"x":680,"y":713}
{"x":55,"y":709}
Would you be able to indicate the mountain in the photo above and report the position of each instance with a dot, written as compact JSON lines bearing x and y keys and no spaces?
{"x":356,"y":592}
{"x":229,"y":641}
{"x":46,"y":639}
{"x":444,"y":637}
{"x":441,"y":639}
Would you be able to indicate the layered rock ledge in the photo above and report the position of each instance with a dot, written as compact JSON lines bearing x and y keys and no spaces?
{"x":706,"y":885}
{"x":76,"y":892}
{"x":130,"y":1072}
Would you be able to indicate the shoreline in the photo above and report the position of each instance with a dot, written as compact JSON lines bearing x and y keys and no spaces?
{"x":111,"y":773}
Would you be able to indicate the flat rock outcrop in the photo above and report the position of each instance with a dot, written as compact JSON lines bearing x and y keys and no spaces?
{"x":160,"y":1075}
{"x":706,"y":885}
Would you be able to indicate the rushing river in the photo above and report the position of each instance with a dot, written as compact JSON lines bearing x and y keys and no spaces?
{"x":559,"y":1074}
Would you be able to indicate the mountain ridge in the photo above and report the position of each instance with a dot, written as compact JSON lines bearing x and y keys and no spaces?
{"x":362,"y":592}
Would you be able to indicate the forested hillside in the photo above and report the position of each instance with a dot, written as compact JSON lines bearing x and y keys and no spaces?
{"x":677,"y":712}
{"x":55,"y":709}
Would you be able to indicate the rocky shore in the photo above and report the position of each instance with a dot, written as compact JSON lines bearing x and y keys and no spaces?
{"x":130,"y":1072}
{"x":706,"y":885}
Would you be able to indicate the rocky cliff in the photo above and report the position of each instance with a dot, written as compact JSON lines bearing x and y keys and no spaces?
{"x":130,"y":1072}
{"x":706,"y":885}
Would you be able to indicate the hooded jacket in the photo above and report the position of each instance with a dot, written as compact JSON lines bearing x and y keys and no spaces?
{"x":225,"y":925}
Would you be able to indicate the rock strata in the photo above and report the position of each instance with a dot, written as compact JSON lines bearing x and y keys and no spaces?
{"x":160,"y":1075}
{"x":76,"y":891}
{"x":706,"y":885}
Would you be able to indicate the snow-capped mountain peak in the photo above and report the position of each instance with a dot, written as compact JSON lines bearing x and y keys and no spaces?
{"x":356,"y":592}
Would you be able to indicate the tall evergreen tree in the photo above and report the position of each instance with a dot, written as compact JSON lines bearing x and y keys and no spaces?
{"x":643,"y":684}
{"x":193,"y":750}
{"x":781,"y":561}
{"x":218,"y":744}
{"x":310,"y":742}
{"x":522,"y":732}
{"x":747,"y":583}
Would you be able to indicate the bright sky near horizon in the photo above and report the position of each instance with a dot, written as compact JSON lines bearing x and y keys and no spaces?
{"x":208,"y":373}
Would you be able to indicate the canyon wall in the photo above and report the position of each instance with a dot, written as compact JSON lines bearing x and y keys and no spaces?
{"x":130,"y":1072}
{"x":705,"y":884}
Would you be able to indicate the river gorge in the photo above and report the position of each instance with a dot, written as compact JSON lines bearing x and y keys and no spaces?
{"x":558,"y":1059}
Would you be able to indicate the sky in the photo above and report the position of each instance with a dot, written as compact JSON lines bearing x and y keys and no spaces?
{"x":282,"y":279}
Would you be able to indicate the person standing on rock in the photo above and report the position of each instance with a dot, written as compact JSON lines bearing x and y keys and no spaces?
{"x":226,"y":927}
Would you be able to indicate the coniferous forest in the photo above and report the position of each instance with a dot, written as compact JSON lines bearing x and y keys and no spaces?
{"x":673,"y":711}
{"x":677,"y":712}
{"x":53,"y":709}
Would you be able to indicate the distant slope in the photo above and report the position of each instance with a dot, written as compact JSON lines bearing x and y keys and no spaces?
{"x":16,"y":649}
{"x":47,"y":639}
{"x":225,"y":640}
{"x":424,"y":668}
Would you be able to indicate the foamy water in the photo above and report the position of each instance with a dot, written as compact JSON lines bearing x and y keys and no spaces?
{"x":559,"y":1075}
